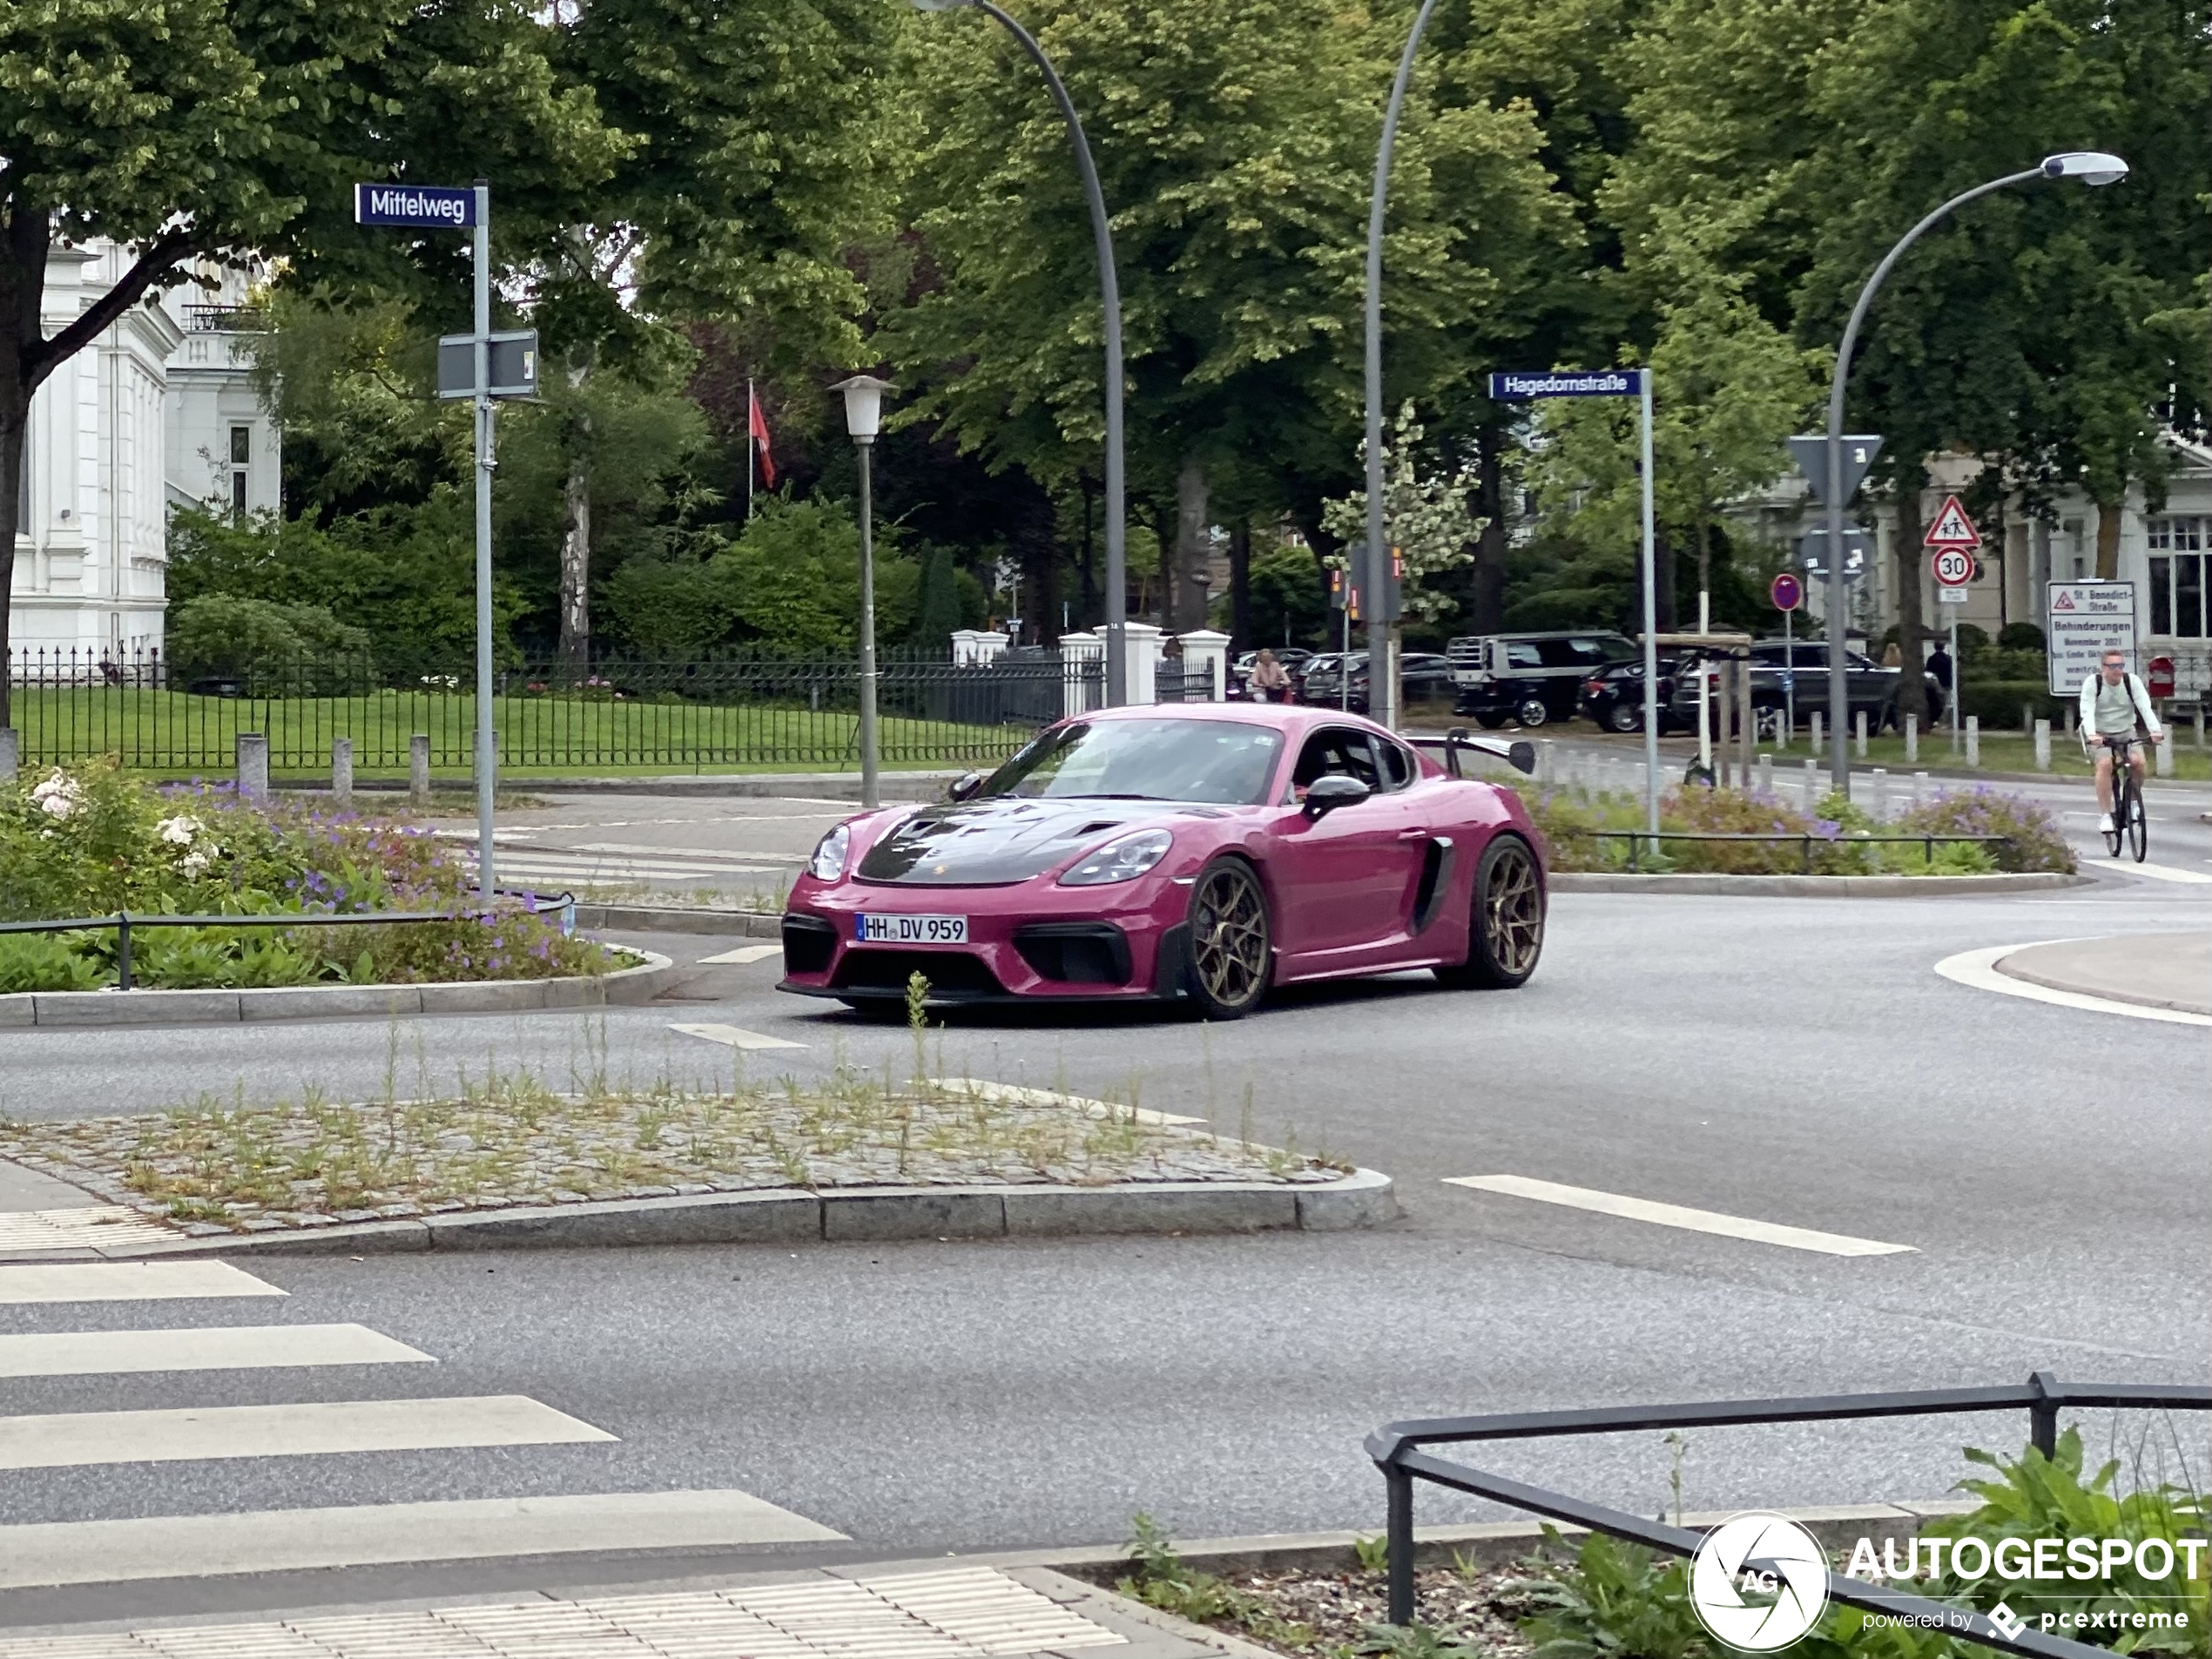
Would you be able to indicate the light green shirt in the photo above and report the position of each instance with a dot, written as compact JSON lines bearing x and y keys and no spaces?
{"x":2116,"y":709}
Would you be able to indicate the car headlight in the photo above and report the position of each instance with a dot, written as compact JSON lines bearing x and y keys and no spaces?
{"x":1121,"y":860}
{"x":828,"y":862}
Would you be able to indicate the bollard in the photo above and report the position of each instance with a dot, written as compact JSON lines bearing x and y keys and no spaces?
{"x":1815,"y":730}
{"x":2159,"y":751}
{"x":1973,"y":739}
{"x":1912,"y":739}
{"x":1812,"y":782}
{"x":252,"y":766}
{"x":1766,"y":774}
{"x":2200,"y":726}
{"x":10,"y":755}
{"x":2042,"y":746}
{"x":418,"y":768}
{"x":1859,"y":732}
{"x":1878,"y":794}
{"x":341,"y":773}
{"x":1919,"y":789}
{"x":1546,"y":763}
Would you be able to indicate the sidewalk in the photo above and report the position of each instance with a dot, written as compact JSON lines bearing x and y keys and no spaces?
{"x":2156,"y":970}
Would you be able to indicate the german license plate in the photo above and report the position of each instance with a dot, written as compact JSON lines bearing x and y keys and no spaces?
{"x":910,"y":930}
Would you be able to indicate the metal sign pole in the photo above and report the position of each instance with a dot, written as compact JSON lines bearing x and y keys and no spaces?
{"x":1650,"y":626}
{"x":1790,"y":675}
{"x":486,"y":742}
{"x":1950,"y":691}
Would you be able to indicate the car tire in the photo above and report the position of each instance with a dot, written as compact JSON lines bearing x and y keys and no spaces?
{"x":1532,"y":711}
{"x":1490,"y":722}
{"x":1232,"y":954}
{"x":1506,"y":933}
{"x":1623,"y":717}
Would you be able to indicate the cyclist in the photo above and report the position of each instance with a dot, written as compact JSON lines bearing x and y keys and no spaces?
{"x":2113,"y":700}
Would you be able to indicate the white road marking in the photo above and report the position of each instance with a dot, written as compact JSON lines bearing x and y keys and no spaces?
{"x":743,"y":954}
{"x":1675,"y":1215}
{"x":1978,"y":969}
{"x":2155,"y":872}
{"x":99,"y":1552}
{"x":733,"y":1037}
{"x":65,"y":1440}
{"x":85,"y":1226}
{"x":22,"y":1282}
{"x":227,"y":1347}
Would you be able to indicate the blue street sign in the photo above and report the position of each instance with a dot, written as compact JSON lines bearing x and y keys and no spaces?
{"x":437,"y":206}
{"x":1516,"y":384}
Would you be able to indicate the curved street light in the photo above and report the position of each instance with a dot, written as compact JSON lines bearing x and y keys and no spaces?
{"x":1110,"y":293}
{"x":2091,"y":167}
{"x":1382,"y":666}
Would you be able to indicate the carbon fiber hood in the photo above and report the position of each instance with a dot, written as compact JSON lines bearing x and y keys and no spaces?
{"x":1004,"y":839}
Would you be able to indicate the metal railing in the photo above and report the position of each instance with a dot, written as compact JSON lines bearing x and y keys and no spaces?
{"x":1395,"y":1448}
{"x":1807,"y":839}
{"x":122,"y":923}
{"x":733,"y":709}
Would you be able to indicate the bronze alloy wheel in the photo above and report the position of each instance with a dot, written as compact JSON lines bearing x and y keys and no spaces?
{"x":1513,"y":910}
{"x":1229,"y":947}
{"x":1506,"y":934}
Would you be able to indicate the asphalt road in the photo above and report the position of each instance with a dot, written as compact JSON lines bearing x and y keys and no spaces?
{"x":1789,"y":1060}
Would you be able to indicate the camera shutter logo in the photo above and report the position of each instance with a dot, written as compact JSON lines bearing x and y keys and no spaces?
{"x":1759,"y":1582}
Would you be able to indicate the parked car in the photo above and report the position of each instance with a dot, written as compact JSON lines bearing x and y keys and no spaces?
{"x":1322,"y":683}
{"x":1202,"y":854}
{"x":1613,"y":696}
{"x":1529,"y":677}
{"x":1292,"y":657}
{"x":1423,"y":677}
{"x":1778,"y":665}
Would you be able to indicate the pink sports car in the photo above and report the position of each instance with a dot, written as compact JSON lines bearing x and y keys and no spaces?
{"x":1195,"y":851}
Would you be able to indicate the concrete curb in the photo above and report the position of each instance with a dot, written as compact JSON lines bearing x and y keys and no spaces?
{"x":625,"y":986}
{"x":1490,"y":1543}
{"x":2005,"y":966}
{"x":1824,"y":887}
{"x":1364,"y":1199}
{"x":681,"y":919}
{"x":752,"y":786}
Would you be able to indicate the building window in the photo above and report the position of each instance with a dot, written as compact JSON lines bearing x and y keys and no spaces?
{"x":2177,"y":575}
{"x":241,"y":453}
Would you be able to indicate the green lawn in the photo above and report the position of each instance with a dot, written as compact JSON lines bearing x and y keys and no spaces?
{"x":175,"y":734}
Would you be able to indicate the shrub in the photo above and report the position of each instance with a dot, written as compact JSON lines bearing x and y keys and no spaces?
{"x":2032,"y":840}
{"x":273,"y":649}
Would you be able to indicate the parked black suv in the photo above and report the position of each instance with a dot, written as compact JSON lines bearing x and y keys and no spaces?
{"x":1530,"y":677}
{"x":1871,"y":688}
{"x":1614,"y":698}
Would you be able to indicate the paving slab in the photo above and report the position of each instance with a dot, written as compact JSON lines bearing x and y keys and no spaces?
{"x":2154,"y":970}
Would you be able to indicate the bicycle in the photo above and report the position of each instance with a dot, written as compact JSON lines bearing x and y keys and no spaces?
{"x":2128,"y":821}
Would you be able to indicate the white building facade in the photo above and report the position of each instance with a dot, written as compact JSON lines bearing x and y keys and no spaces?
{"x":161,"y":410}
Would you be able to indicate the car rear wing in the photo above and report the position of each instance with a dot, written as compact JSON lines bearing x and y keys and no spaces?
{"x":1519,"y":754}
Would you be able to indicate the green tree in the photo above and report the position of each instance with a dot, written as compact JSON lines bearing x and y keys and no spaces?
{"x":194,"y":129}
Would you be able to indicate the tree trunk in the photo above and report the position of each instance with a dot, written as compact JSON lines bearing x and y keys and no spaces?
{"x":1038,"y":543}
{"x":1663,"y":608}
{"x":576,"y":561}
{"x":15,"y":421}
{"x":1913,"y":686}
{"x":2108,"y":517}
{"x":1487,"y":613}
{"x":1240,"y":586}
{"x":1086,"y":567}
{"x":1187,"y":605}
{"x":1163,"y":569}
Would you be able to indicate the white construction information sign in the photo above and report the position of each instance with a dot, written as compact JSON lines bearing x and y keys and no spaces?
{"x":2088,"y":619}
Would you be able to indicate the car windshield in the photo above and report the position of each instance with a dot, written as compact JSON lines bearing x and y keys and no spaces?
{"x":1225,"y":762}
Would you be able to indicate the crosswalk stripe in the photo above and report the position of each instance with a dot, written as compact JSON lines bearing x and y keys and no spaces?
{"x":53,"y":1440}
{"x":1675,"y":1215}
{"x":735,"y":1038}
{"x":2156,"y":871}
{"x":29,"y":1282}
{"x":742,"y":953}
{"x":101,"y":1552}
{"x":235,"y":1347}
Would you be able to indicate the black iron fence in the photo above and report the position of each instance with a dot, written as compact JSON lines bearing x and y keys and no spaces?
{"x":733,"y":710}
{"x":1396,"y":1449}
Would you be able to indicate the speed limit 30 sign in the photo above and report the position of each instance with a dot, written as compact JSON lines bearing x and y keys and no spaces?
{"x":1954,"y":538}
{"x":1953,"y":566}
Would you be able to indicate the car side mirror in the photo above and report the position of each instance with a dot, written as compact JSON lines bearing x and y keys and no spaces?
{"x":1522,"y":758}
{"x":1326,"y":794}
{"x":965,"y":785}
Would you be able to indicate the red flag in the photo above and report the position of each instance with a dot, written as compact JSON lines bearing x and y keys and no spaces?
{"x":757,"y":432}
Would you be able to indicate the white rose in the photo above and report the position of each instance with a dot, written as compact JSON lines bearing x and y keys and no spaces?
{"x":179,"y":831}
{"x":58,"y":805}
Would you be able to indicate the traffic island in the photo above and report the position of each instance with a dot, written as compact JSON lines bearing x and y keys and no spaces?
{"x":2147,"y":970}
{"x":511,"y":1163}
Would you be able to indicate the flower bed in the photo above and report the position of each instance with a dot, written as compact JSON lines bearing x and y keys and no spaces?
{"x":1565,"y":815}
{"x":95,"y":841}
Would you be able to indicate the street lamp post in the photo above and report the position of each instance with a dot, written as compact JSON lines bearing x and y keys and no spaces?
{"x":2091,"y":167}
{"x":863,"y":419}
{"x":1382,"y":667}
{"x":1110,"y":291}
